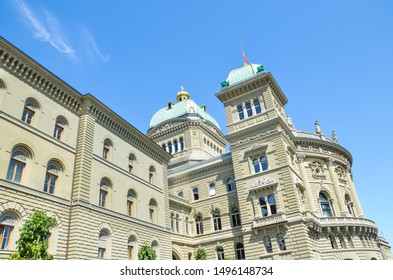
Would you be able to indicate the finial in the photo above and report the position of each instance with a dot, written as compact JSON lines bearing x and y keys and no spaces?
{"x":244,"y":55}
{"x":182,"y":88}
{"x":334,"y":136}
{"x":317,"y":128}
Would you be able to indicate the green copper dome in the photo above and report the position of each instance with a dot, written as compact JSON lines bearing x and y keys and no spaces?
{"x":243,"y":73}
{"x":184,"y":108}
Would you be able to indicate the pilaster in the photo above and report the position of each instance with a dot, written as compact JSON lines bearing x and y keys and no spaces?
{"x":354,"y":195}
{"x":302,"y":169}
{"x":336,"y":186}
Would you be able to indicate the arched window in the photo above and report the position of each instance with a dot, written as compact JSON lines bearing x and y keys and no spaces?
{"x":325,"y":205}
{"x":240,"y":112}
{"x":131,"y":247}
{"x":152,"y":175}
{"x":176,"y":147}
{"x":153,"y":211}
{"x":281,"y":242}
{"x":198,"y":225}
{"x":212,"y":189}
{"x":257,"y":106}
{"x":177,"y":223}
{"x":155,"y":247}
{"x":217,"y":221}
{"x":131,"y":203}
{"x":131,"y":163}
{"x":59,"y":127}
{"x":272,"y":204}
{"x":240,"y":251}
{"x":249,"y":109}
{"x":103,"y":244}
{"x":181,"y":144}
{"x":220,"y":253}
{"x":263,"y":205}
{"x":172,"y":222}
{"x":18,"y":162}
{"x":257,"y":168}
{"x":105,"y":186}
{"x":235,"y":215}
{"x":170,"y":147}
{"x":106,"y":150}
{"x":263,"y":161}
{"x":195,"y":193}
{"x":7,"y":224}
{"x":349,"y":205}
{"x":230,"y":185}
{"x":31,"y":106}
{"x":51,"y":177}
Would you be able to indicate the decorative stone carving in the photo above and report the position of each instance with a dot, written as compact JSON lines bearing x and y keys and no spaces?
{"x":317,"y":128}
{"x":262,"y":182}
{"x":318,"y":171}
{"x":301,"y":157}
{"x":255,"y":147}
{"x":341,"y":174}
{"x":334,"y":137}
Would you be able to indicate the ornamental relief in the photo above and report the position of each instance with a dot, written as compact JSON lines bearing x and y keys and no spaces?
{"x":317,"y":169}
{"x":341,"y":174}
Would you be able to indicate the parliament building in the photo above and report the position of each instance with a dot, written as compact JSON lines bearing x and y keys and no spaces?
{"x":266,"y":190}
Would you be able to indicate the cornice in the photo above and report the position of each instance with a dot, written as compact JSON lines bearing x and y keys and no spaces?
{"x":109,"y":119}
{"x":32,"y":73}
{"x":20,"y":65}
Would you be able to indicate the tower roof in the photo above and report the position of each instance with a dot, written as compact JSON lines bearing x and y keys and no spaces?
{"x":185,"y":108}
{"x":242,"y":73}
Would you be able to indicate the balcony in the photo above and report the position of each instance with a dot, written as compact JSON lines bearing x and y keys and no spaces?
{"x":341,"y":222}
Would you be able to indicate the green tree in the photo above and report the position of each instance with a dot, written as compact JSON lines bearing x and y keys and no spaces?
{"x":146,"y":253}
{"x":201,"y":254}
{"x":33,"y":243}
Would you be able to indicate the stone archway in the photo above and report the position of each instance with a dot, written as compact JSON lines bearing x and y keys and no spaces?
{"x":175,"y":256}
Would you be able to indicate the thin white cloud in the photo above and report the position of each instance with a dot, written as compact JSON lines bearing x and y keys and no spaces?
{"x":47,"y":30}
{"x":91,"y":46}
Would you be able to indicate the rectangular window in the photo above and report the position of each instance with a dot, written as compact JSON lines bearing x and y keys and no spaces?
{"x":240,"y":112}
{"x":50,"y":182}
{"x":212,"y":189}
{"x":129,"y":207}
{"x":249,"y":109}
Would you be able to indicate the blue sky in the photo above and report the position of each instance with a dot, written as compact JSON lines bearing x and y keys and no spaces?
{"x":333,"y":60}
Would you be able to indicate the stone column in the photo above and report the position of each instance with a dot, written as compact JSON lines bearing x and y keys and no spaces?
{"x":309,"y":196}
{"x":354,"y":195}
{"x":341,"y":203}
{"x":257,"y":212}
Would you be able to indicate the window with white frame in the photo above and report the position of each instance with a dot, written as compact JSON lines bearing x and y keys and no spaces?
{"x":51,"y":177}
{"x":131,"y":203}
{"x":220,"y":253}
{"x":198,"y":225}
{"x":7,"y":224}
{"x":325,"y":204}
{"x":239,"y":252}
{"x":260,"y":164}
{"x":60,"y":124}
{"x":105,"y":186}
{"x":217,"y":221}
{"x":29,"y":110}
{"x":19,"y":158}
